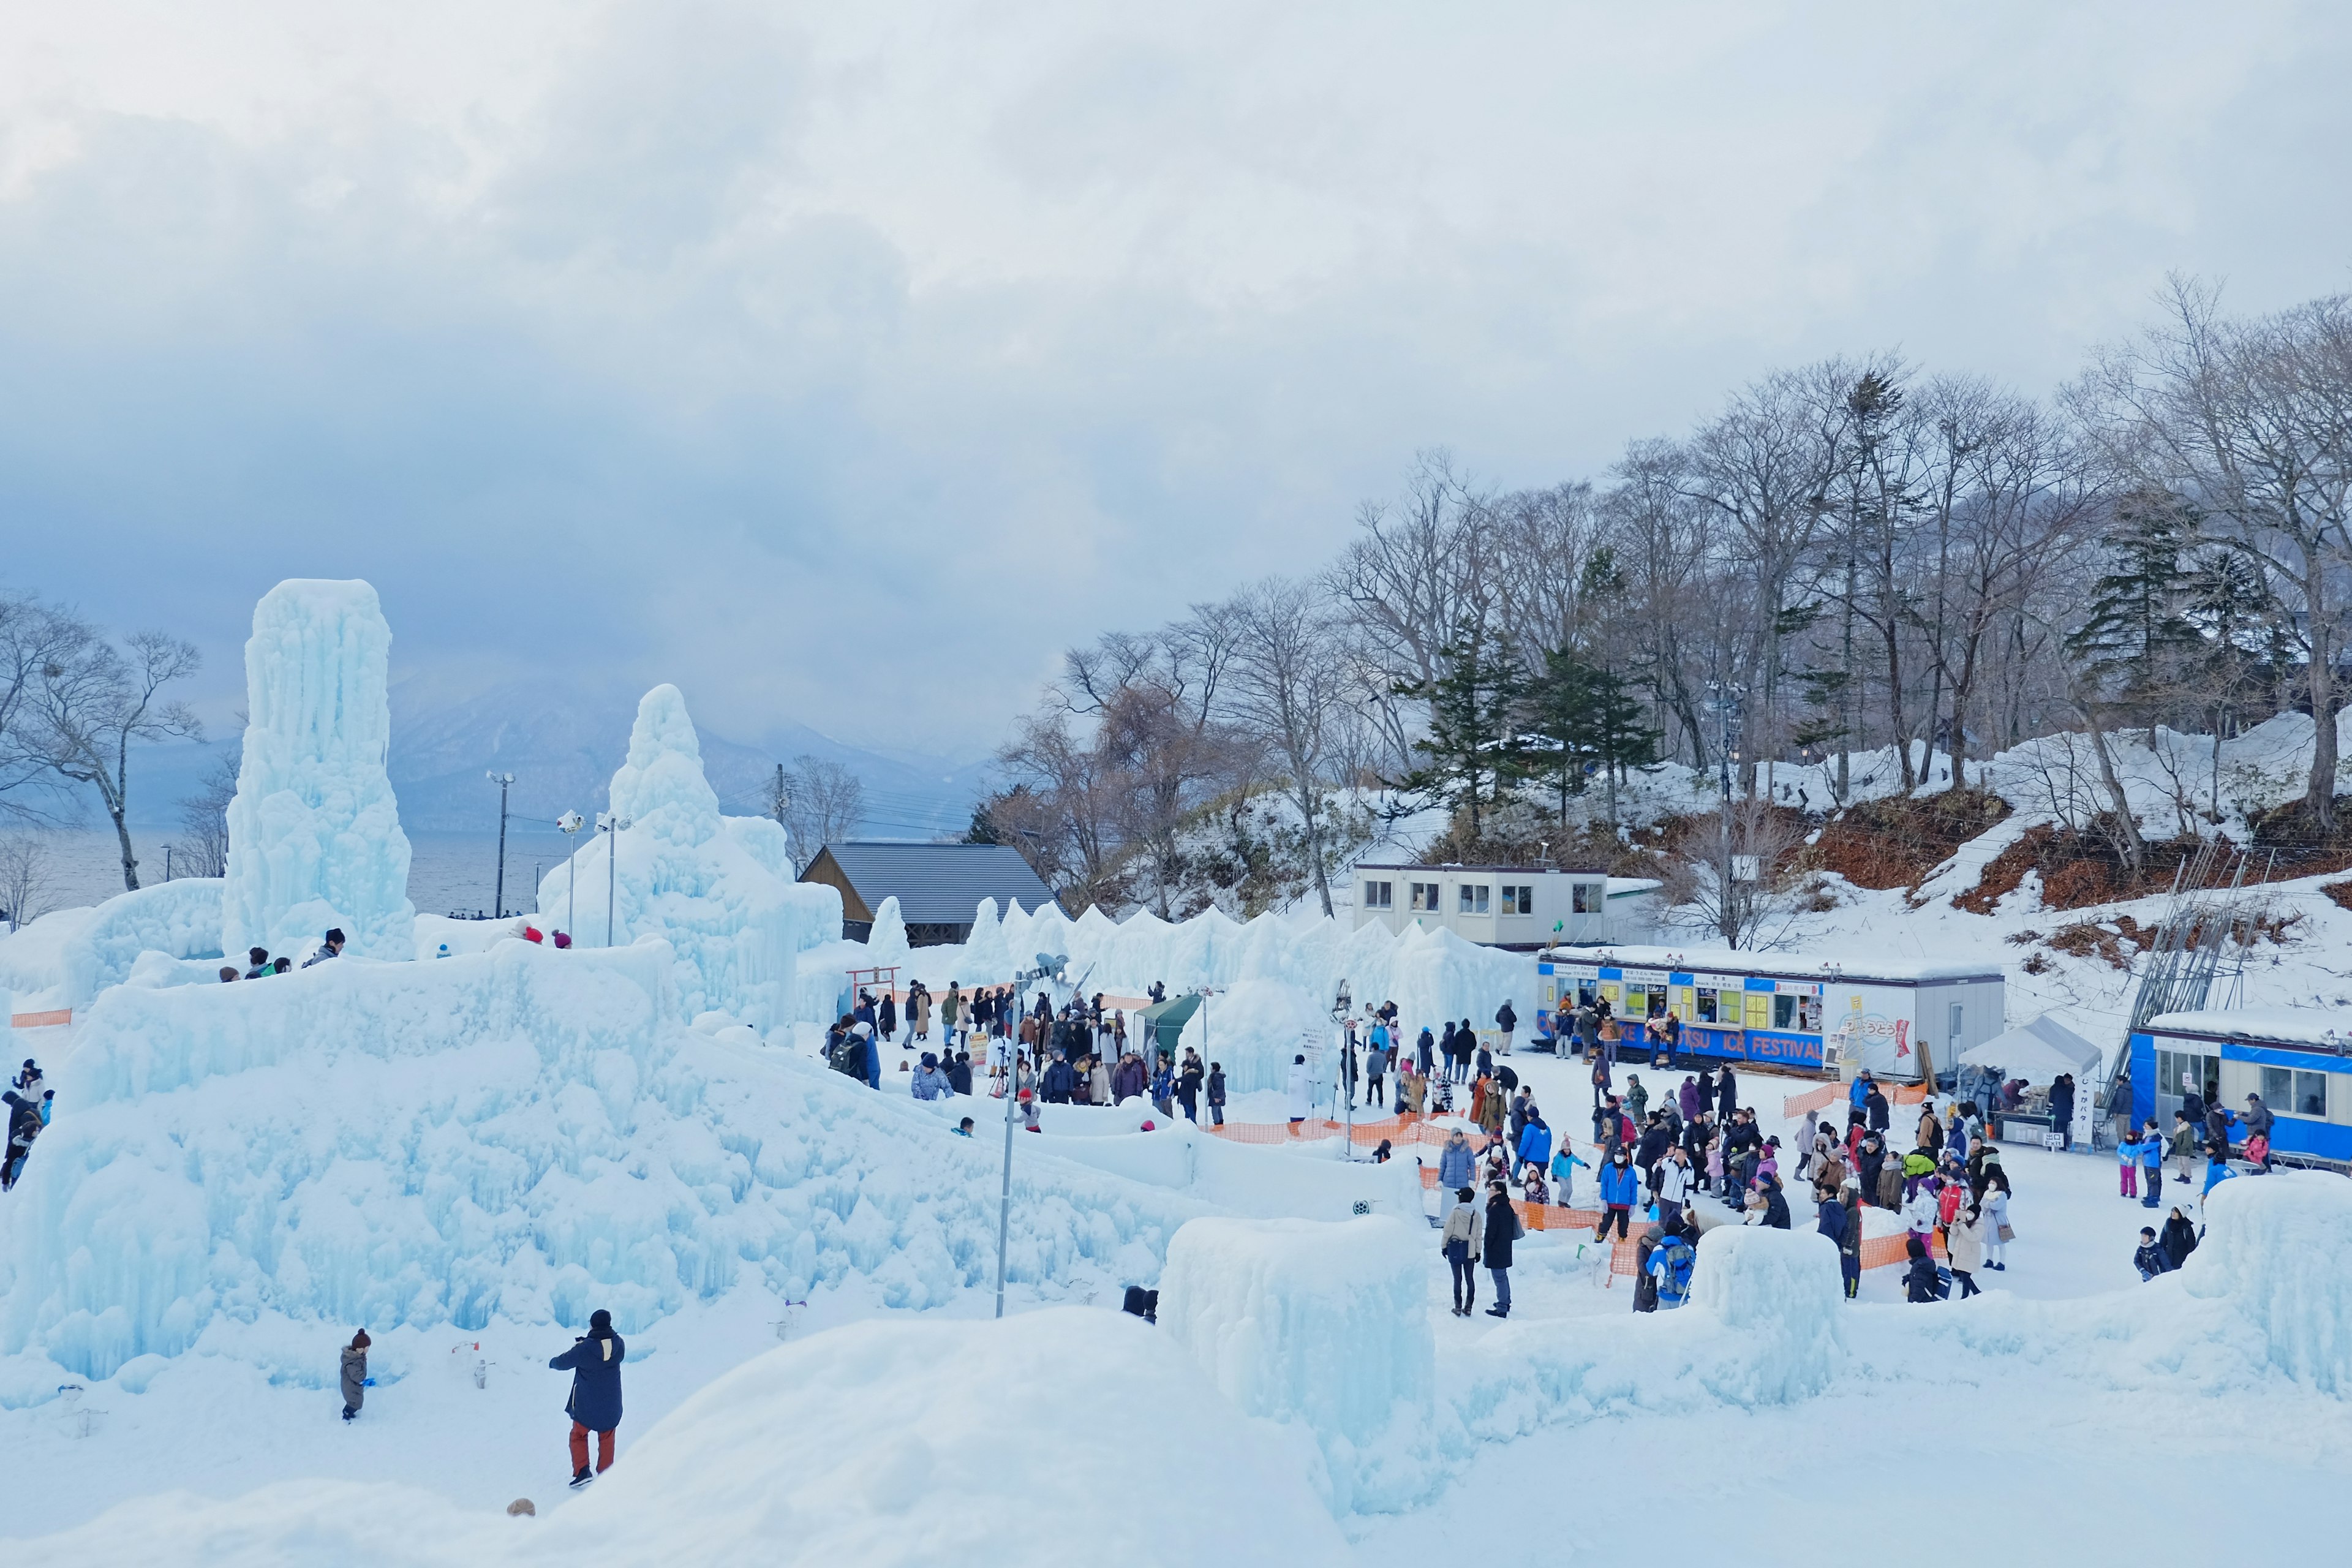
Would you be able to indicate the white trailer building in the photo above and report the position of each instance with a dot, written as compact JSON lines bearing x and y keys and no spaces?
{"x":1518,"y":907}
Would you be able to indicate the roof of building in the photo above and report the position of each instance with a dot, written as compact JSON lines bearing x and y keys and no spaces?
{"x":2326,"y":1026}
{"x":1782,"y":966}
{"x":935,"y":884}
{"x":1515,"y":870}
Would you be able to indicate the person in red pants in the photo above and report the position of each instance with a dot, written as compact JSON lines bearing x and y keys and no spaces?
{"x":594,"y":1362}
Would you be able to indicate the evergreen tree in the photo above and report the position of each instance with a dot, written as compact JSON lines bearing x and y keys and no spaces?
{"x":2136,"y":639}
{"x":1471,"y":744}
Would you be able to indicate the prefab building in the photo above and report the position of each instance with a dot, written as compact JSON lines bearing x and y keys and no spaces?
{"x":1800,"y":1010}
{"x":1518,"y":907}
{"x":2299,"y":1059}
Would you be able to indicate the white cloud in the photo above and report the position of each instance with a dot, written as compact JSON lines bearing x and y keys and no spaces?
{"x":847,"y":361}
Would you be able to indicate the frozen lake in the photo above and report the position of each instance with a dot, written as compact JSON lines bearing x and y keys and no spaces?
{"x":447,"y":872}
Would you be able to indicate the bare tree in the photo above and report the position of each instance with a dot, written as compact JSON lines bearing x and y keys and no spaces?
{"x":823,"y":802}
{"x":96,"y":700}
{"x":27,"y":886}
{"x":1288,"y":691}
{"x":2251,"y":420}
{"x":202,"y":844}
{"x":35,"y":638}
{"x":1737,"y":886}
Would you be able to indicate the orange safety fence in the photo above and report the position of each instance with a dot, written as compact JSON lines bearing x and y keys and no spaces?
{"x":1821,"y":1099}
{"x":1399,"y":1131}
{"x":40,"y":1020}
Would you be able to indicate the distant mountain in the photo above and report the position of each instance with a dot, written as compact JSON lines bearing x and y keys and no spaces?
{"x":562,"y":743}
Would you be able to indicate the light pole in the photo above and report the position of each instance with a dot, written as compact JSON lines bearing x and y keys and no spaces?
{"x":611,"y":827}
{"x":499,"y":898}
{"x":571,"y":822}
{"x":1047,"y":965}
{"x":1341,"y":1006}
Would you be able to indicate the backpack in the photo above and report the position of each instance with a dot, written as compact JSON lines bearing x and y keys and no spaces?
{"x":1676,"y":1256}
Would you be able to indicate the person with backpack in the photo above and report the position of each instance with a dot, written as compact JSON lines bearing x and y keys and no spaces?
{"x":1465,"y":1229}
{"x":1501,"y":1229}
{"x":594,"y":1404}
{"x":1670,"y":1266}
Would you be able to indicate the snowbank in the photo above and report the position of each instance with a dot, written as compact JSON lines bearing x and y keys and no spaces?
{"x":66,"y":958}
{"x":718,"y":889}
{"x":1780,"y":1292}
{"x":314,"y":838}
{"x":882,"y":1444}
{"x":1324,"y":1327}
{"x":2278,"y":1249}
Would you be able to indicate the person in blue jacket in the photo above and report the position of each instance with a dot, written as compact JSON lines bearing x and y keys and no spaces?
{"x":2151,"y":1167}
{"x":1621,"y":1187}
{"x":1454,"y":1162}
{"x":594,"y":1362}
{"x":1535,"y":1141}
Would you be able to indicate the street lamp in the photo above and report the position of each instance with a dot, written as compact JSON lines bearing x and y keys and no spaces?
{"x":1049,"y":965}
{"x":499,"y":898}
{"x":1341,"y":1006}
{"x":612,"y":826}
{"x":571,"y":822}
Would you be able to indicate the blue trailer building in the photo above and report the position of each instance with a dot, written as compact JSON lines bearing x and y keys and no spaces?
{"x":2299,"y":1059}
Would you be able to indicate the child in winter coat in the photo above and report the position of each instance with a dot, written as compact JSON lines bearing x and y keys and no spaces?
{"x":355,"y":1375}
{"x":2127,"y":1165}
{"x":2258,"y":1152}
{"x":1563,"y":1175}
{"x":1532,"y":1189}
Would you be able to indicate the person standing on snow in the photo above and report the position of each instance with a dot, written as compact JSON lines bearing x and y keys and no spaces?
{"x":595,"y":1405}
{"x":1507,"y":1021}
{"x":1674,"y":1185}
{"x":1619,"y":1188}
{"x":355,"y":1374}
{"x":2151,"y":1167}
{"x":1964,"y":1245}
{"x":1301,"y":1092}
{"x":1535,"y":1143}
{"x":1217,"y":1093}
{"x":1454,"y":1162}
{"x":1465,"y":1229}
{"x":1726,"y":1094}
{"x":2127,"y":1165}
{"x":1920,"y":1283}
{"x":1501,"y":1228}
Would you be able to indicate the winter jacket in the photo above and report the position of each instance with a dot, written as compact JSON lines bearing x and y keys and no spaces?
{"x":1776,"y":1207}
{"x":1965,"y":1240}
{"x":1454,"y":1166}
{"x":1850,"y":1237}
{"x":1830,"y":1222}
{"x":1637,"y":1103}
{"x":1217,"y":1086}
{"x":1889,"y":1186}
{"x":1670,"y":1266}
{"x":2151,"y":1151}
{"x":2178,"y":1240}
{"x":1563,"y":1167}
{"x":1919,"y":1280}
{"x":1920,"y":1213}
{"x":1505,"y":1019}
{"x":595,"y":1368}
{"x":1674,"y":1182}
{"x":930,"y":1083}
{"x":1620,"y":1185}
{"x":1301,"y":1094}
{"x":354,"y":1376}
{"x":1465,"y":1225}
{"x":1501,"y":1228}
{"x":1060,"y":1080}
{"x":2258,"y":1117}
{"x":1687,"y":1097}
{"x":1535,"y":1144}
{"x":2152,"y":1260}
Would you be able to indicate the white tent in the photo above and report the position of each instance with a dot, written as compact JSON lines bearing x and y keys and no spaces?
{"x":2037,"y":1052}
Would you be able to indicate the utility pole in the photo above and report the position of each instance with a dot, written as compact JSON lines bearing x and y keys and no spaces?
{"x":611,"y":827}
{"x":571,"y":822}
{"x":500,"y":898}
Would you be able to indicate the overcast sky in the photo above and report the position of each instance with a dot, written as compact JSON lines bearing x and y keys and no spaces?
{"x":841,"y":362}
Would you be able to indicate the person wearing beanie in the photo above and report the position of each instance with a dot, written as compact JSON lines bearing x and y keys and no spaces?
{"x":355,"y":1375}
{"x":594,"y":1362}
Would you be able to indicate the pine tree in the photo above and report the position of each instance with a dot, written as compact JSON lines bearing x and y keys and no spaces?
{"x":2136,"y":639}
{"x":1471,"y":744}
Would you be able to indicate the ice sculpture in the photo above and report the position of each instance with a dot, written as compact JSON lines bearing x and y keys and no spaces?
{"x":719,"y":890}
{"x":314,"y":839}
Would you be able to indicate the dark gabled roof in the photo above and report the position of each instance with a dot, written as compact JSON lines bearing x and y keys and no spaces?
{"x":935,"y":884}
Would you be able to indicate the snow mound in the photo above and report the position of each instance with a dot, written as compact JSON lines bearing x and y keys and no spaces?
{"x":522,"y":1134}
{"x":314,"y":836}
{"x":718,"y":889}
{"x":1778,"y":1291}
{"x":1324,"y":1327}
{"x":2279,"y":1249}
{"x":66,"y":958}
{"x":881,"y":1445}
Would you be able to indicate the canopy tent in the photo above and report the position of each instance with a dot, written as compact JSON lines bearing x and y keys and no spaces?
{"x":1162,"y":1022}
{"x":2037,"y":1052}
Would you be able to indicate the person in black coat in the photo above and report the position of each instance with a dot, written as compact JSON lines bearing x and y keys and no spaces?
{"x":1919,"y":1283}
{"x":1776,"y":1205}
{"x":2062,"y":1106}
{"x":1876,"y":1115}
{"x":594,"y":1362}
{"x":1727,"y":1096}
{"x":1502,"y":1229}
{"x":2180,"y":1239}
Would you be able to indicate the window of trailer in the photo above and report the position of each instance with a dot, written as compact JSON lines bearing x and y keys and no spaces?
{"x":2289,"y":1091}
{"x":1379,"y":894}
{"x":1476,"y":900}
{"x":1424,"y":897}
{"x":1586,"y":897}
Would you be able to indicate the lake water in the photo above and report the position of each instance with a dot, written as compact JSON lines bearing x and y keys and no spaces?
{"x":447,"y":872}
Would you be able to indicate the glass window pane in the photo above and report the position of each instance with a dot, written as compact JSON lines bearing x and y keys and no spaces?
{"x":2278,"y":1087}
{"x":2311,"y":1094}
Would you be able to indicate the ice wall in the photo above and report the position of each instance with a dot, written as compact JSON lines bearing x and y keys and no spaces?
{"x":2279,"y":1249}
{"x":1780,"y":1292}
{"x":314,"y":838}
{"x":718,"y":889}
{"x":64,"y":959}
{"x":1320,"y":1326}
{"x":520,"y":1134}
